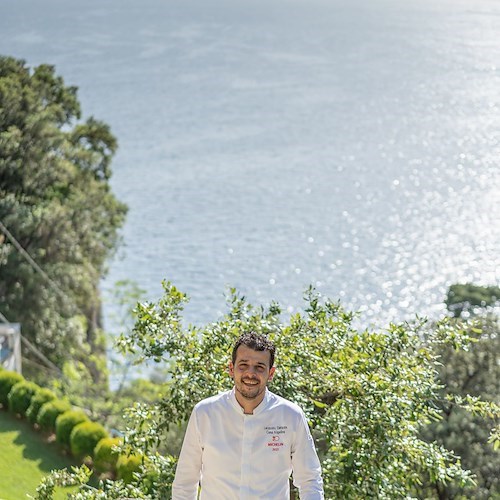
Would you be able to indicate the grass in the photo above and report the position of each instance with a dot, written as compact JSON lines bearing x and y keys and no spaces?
{"x":26,"y":457}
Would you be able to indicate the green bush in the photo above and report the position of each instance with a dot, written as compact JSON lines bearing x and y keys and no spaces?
{"x":65,"y":422}
{"x":41,"y":397}
{"x":84,"y":438}
{"x":466,"y":298}
{"x":105,"y":457}
{"x":49,"y":412}
{"x":127,"y":465}
{"x":20,"y":396}
{"x":8,"y":380}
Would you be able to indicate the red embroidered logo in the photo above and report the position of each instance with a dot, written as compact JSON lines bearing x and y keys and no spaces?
{"x":275,"y":444}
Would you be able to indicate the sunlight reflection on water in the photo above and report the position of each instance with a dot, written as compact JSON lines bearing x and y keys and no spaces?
{"x":353,"y":147}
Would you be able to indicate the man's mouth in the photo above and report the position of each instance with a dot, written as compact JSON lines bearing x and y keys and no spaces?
{"x":250,"y":382}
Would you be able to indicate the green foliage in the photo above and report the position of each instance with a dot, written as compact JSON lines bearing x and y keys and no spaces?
{"x":49,"y":412}
{"x":106,"y":454}
{"x":78,"y":476}
{"x":78,"y":384}
{"x":84,"y":438}
{"x":158,"y":475}
{"x":471,"y":379}
{"x":55,"y":199}
{"x":7,"y":380}
{"x":127,"y":466}
{"x":65,"y":422}
{"x":41,"y":397}
{"x":20,"y":396}
{"x":469,"y":297}
{"x":139,"y":391}
{"x":367,"y":394}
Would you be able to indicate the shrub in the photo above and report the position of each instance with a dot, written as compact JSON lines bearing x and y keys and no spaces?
{"x":20,"y":396}
{"x":37,"y":401}
{"x":65,"y":422}
{"x":127,"y":465}
{"x":105,"y":457}
{"x":84,"y":438}
{"x":8,"y":380}
{"x":49,"y":412}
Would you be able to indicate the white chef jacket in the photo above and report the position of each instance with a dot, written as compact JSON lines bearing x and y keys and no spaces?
{"x":235,"y":456}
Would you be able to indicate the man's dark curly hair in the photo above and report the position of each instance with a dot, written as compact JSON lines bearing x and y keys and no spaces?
{"x":257,"y":342}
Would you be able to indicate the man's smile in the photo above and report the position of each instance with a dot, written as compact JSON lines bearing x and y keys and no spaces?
{"x":250,"y":382}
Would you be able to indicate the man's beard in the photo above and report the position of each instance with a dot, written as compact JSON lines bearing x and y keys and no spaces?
{"x":248,"y":392}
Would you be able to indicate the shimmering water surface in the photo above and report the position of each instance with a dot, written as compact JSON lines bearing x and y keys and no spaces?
{"x":269,"y":145}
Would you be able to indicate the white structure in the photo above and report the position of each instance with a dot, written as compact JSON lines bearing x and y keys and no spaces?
{"x":10,"y":346}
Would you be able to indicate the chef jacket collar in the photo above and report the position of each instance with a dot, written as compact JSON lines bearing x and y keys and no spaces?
{"x":262,"y":405}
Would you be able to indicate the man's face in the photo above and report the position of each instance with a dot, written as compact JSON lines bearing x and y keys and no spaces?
{"x":251,"y":372}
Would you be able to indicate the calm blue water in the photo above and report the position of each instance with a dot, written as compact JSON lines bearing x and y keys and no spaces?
{"x":269,"y":145}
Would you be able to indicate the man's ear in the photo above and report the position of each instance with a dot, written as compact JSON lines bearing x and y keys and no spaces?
{"x":271,"y":373}
{"x":231,"y":369}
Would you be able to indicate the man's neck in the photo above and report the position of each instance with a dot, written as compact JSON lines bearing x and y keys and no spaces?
{"x":248,"y":405}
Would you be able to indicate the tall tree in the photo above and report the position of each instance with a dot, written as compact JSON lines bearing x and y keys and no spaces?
{"x":57,"y":206}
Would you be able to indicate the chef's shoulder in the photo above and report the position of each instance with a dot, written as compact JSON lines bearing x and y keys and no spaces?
{"x":286,"y":406}
{"x":219,"y":401}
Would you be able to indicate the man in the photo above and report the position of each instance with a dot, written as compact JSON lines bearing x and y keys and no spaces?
{"x":244,"y":444}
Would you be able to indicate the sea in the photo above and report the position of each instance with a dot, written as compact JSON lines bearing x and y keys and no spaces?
{"x":269,"y":146}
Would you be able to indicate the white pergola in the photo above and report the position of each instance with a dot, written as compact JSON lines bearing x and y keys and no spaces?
{"x":10,"y":346}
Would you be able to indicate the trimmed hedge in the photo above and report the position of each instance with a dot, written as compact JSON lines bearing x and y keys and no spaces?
{"x":104,"y":457}
{"x":37,"y":401}
{"x":65,"y":422}
{"x":8,"y":379}
{"x":49,"y":412}
{"x":127,"y":465}
{"x":84,"y":438}
{"x":20,"y":396}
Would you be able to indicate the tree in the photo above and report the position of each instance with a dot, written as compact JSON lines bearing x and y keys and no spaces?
{"x":474,"y":372}
{"x":56,"y":205}
{"x":470,"y":299}
{"x":366,"y":394}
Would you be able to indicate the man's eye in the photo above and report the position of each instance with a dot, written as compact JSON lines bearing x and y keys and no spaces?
{"x":243,"y":366}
